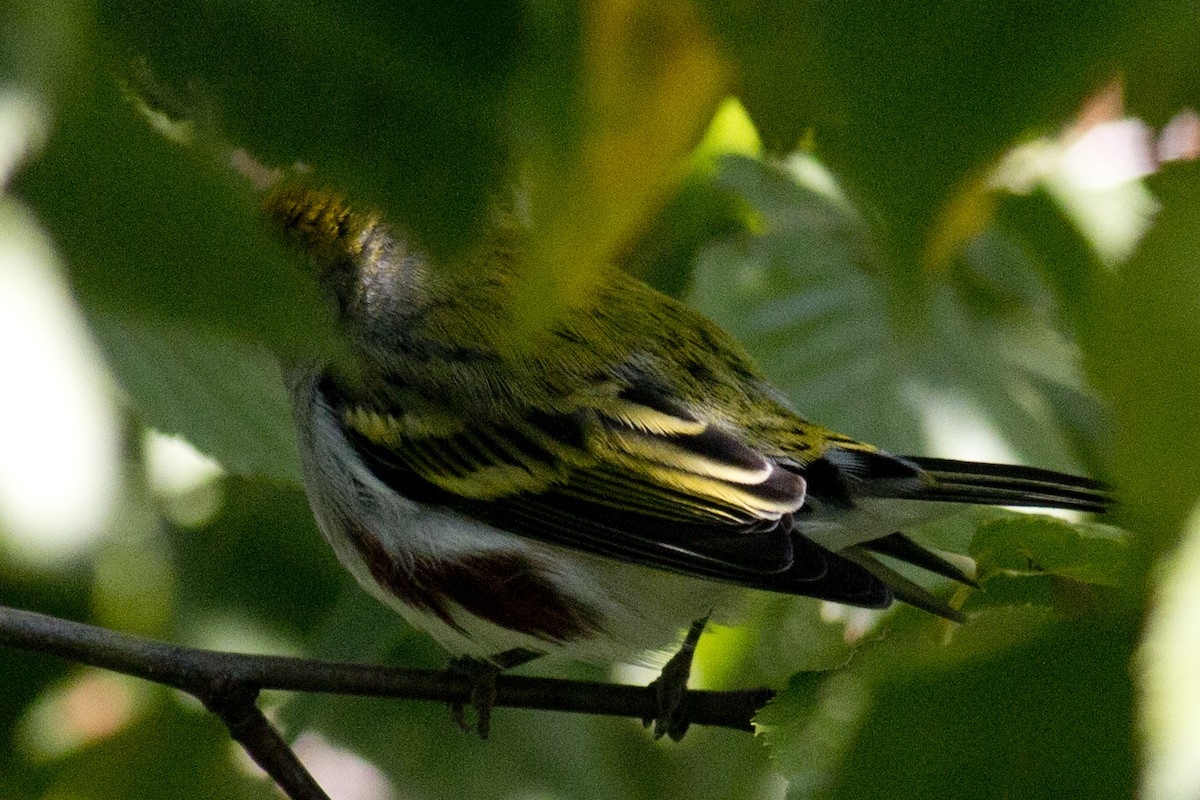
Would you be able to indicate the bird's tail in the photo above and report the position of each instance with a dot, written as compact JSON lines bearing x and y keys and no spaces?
{"x":950,"y":481}
{"x":1006,"y":485}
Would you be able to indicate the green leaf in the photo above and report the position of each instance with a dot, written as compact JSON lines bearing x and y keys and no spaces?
{"x":649,"y":79}
{"x":802,"y":297}
{"x":697,"y":214}
{"x":1049,"y":718}
{"x":1141,"y":341}
{"x":168,"y":752}
{"x":1029,"y":545}
{"x":402,"y":107}
{"x":911,"y":103}
{"x":225,"y":397}
{"x":1055,"y":247}
{"x":1160,"y":64}
{"x":43,"y":44}
{"x":260,"y":558}
{"x":150,"y":229}
{"x":1012,"y":701}
{"x":810,"y":726}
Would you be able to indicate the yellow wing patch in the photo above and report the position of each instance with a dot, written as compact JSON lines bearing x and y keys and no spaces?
{"x":387,"y":429}
{"x":378,"y":428}
{"x":615,"y":453}
{"x":743,"y":496}
{"x":651,"y":420}
{"x":660,"y":450}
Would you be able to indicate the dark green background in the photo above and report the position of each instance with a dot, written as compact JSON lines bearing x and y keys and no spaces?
{"x":426,"y":113}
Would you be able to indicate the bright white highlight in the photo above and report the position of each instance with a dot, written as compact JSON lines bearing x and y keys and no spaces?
{"x":1170,"y":661}
{"x":1110,"y":154}
{"x":342,"y":773}
{"x":60,"y":458}
{"x":955,"y":428}
{"x":175,"y":467}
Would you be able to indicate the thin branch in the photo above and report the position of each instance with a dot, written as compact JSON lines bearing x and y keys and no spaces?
{"x":249,"y":727}
{"x":228,"y":684}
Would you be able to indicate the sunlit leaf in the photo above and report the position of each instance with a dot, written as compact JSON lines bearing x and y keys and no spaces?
{"x":650,"y":78}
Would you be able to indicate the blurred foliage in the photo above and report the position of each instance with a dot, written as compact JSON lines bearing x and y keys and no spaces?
{"x":865,"y":256}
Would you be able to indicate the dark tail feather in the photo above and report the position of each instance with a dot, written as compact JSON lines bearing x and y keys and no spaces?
{"x":1006,"y":485}
{"x":825,"y":575}
{"x":902,"y":548}
{"x":841,"y":476}
{"x":902,"y":588}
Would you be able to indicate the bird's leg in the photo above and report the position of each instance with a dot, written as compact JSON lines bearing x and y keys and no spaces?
{"x":482,"y":674}
{"x":670,"y":687}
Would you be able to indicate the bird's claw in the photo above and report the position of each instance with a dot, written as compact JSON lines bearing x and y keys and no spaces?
{"x":482,"y":697}
{"x":670,"y":688}
{"x":483,"y":674}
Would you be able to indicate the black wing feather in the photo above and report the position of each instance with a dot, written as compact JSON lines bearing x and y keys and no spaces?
{"x":1008,"y":485}
{"x":772,"y":559}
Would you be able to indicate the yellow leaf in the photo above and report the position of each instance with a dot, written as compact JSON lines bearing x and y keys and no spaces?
{"x":652,"y":79}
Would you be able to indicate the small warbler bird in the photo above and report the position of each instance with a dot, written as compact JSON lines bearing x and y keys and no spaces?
{"x":601,"y":487}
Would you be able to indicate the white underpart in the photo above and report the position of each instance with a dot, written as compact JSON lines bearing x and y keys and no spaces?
{"x":642,"y":609}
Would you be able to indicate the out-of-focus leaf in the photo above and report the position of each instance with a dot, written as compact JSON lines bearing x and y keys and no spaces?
{"x":801,"y":296}
{"x":911,"y":103}
{"x":811,"y":724}
{"x":700,"y":211}
{"x":650,"y":79}
{"x":808,"y":296}
{"x":665,"y":254}
{"x":42,"y":44}
{"x":1055,"y":247}
{"x":1141,"y":339}
{"x":148,"y":228}
{"x":25,"y":676}
{"x":401,"y":106}
{"x":170,"y":752}
{"x":1081,"y":417}
{"x":225,"y":397}
{"x":1049,"y":718}
{"x":260,"y":558}
{"x":1167,"y":664}
{"x":1160,"y":63}
{"x":1014,"y":702}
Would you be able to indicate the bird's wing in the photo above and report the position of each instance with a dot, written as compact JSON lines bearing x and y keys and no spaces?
{"x":630,"y":476}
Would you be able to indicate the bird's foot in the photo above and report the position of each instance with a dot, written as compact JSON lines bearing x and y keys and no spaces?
{"x":483,"y":674}
{"x":670,"y":688}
